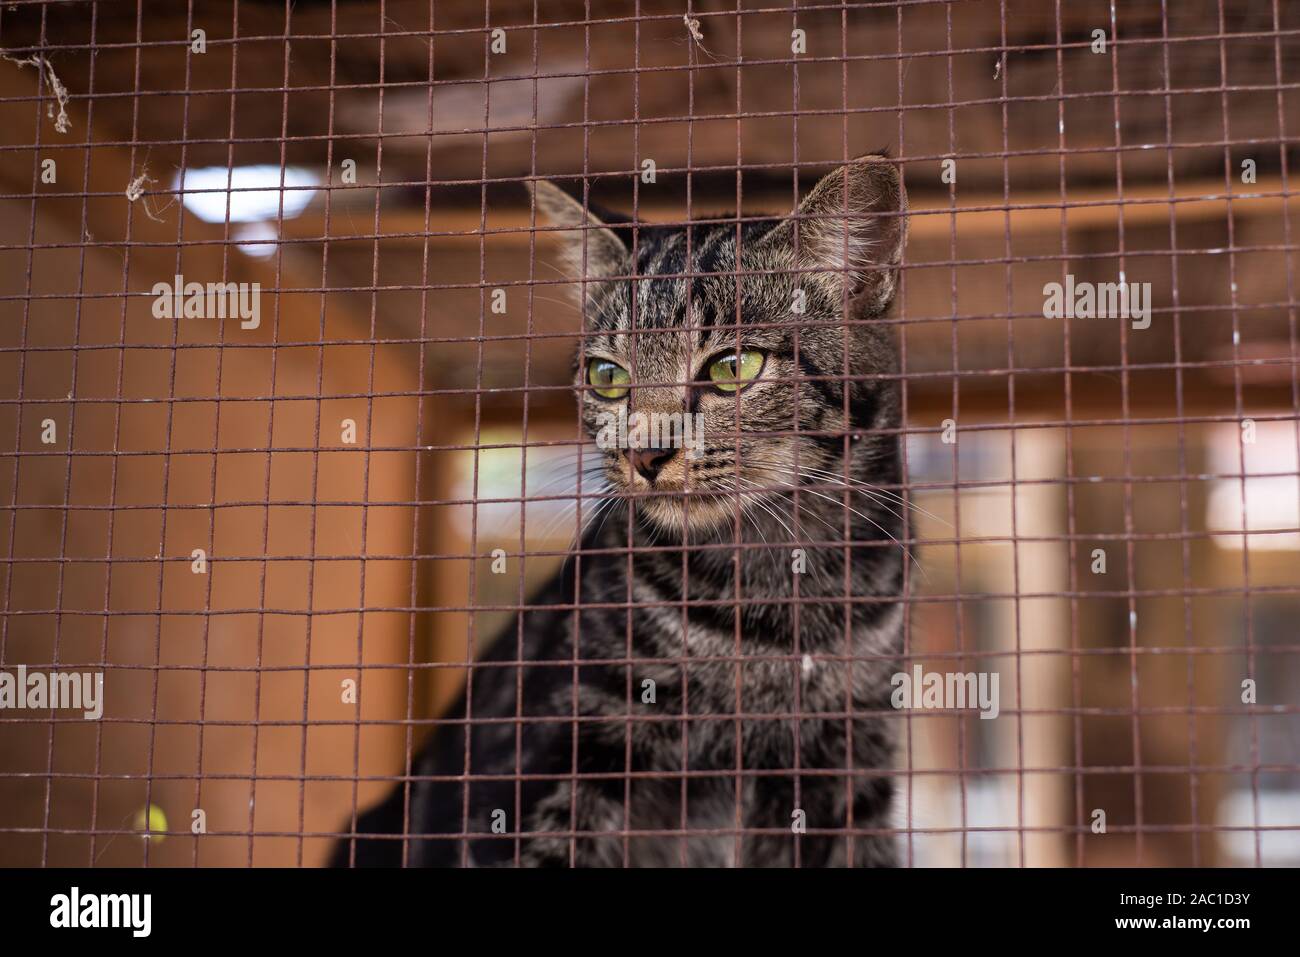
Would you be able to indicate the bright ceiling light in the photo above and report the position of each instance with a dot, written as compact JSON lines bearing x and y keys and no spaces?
{"x":253,"y":193}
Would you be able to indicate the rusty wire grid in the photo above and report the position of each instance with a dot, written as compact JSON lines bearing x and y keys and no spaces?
{"x":280,"y":538}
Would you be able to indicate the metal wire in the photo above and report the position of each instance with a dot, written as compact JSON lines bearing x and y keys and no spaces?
{"x":282,"y":617}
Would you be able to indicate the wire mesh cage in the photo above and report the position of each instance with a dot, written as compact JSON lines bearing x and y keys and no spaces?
{"x":338,"y":520}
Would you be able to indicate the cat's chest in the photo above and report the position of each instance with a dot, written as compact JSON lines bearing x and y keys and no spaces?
{"x":705,"y":834}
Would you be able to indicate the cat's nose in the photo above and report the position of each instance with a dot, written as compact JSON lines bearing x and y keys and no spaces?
{"x":649,"y":462}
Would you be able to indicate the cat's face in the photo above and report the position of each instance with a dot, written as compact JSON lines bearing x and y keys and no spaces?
{"x":704,"y":379}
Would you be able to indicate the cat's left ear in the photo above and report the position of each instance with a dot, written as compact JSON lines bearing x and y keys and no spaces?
{"x":853,"y":224}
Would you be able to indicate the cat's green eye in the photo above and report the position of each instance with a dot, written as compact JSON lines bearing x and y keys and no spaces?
{"x":610,"y":379}
{"x":732,"y":372}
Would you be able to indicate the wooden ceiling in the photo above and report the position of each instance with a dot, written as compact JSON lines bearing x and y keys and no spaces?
{"x":413,"y":94}
{"x":601,"y":93}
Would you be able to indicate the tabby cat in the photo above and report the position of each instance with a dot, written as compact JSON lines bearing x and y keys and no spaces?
{"x":764,"y":579}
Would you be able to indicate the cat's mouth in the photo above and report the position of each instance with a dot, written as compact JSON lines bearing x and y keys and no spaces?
{"x":688,"y":513}
{"x":664,"y":493}
{"x":669,"y":496}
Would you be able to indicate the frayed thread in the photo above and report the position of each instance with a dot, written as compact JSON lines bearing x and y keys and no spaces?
{"x":697,"y":34}
{"x":135,"y":191}
{"x":693,"y":27}
{"x":61,"y":121}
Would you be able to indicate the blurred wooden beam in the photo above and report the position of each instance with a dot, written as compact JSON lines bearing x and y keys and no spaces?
{"x":932,"y":215}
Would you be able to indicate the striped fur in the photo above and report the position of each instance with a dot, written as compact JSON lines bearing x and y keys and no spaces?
{"x":734,"y":641}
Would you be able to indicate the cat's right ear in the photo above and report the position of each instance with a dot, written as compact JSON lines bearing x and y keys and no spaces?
{"x":590,"y":248}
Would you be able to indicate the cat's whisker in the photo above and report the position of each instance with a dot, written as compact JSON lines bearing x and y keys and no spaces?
{"x":830,"y":479}
{"x":543,"y":491}
{"x":884,"y":531}
{"x":757,"y":501}
{"x":596,"y":495}
{"x":756,"y":498}
{"x":875,"y":492}
{"x":604,"y":509}
{"x":563,"y":466}
{"x":746,"y":499}
{"x":857,"y":485}
{"x":830,"y":498}
{"x":802,"y":508}
{"x":567,"y":509}
{"x":746,"y":515}
{"x":782,"y":474}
